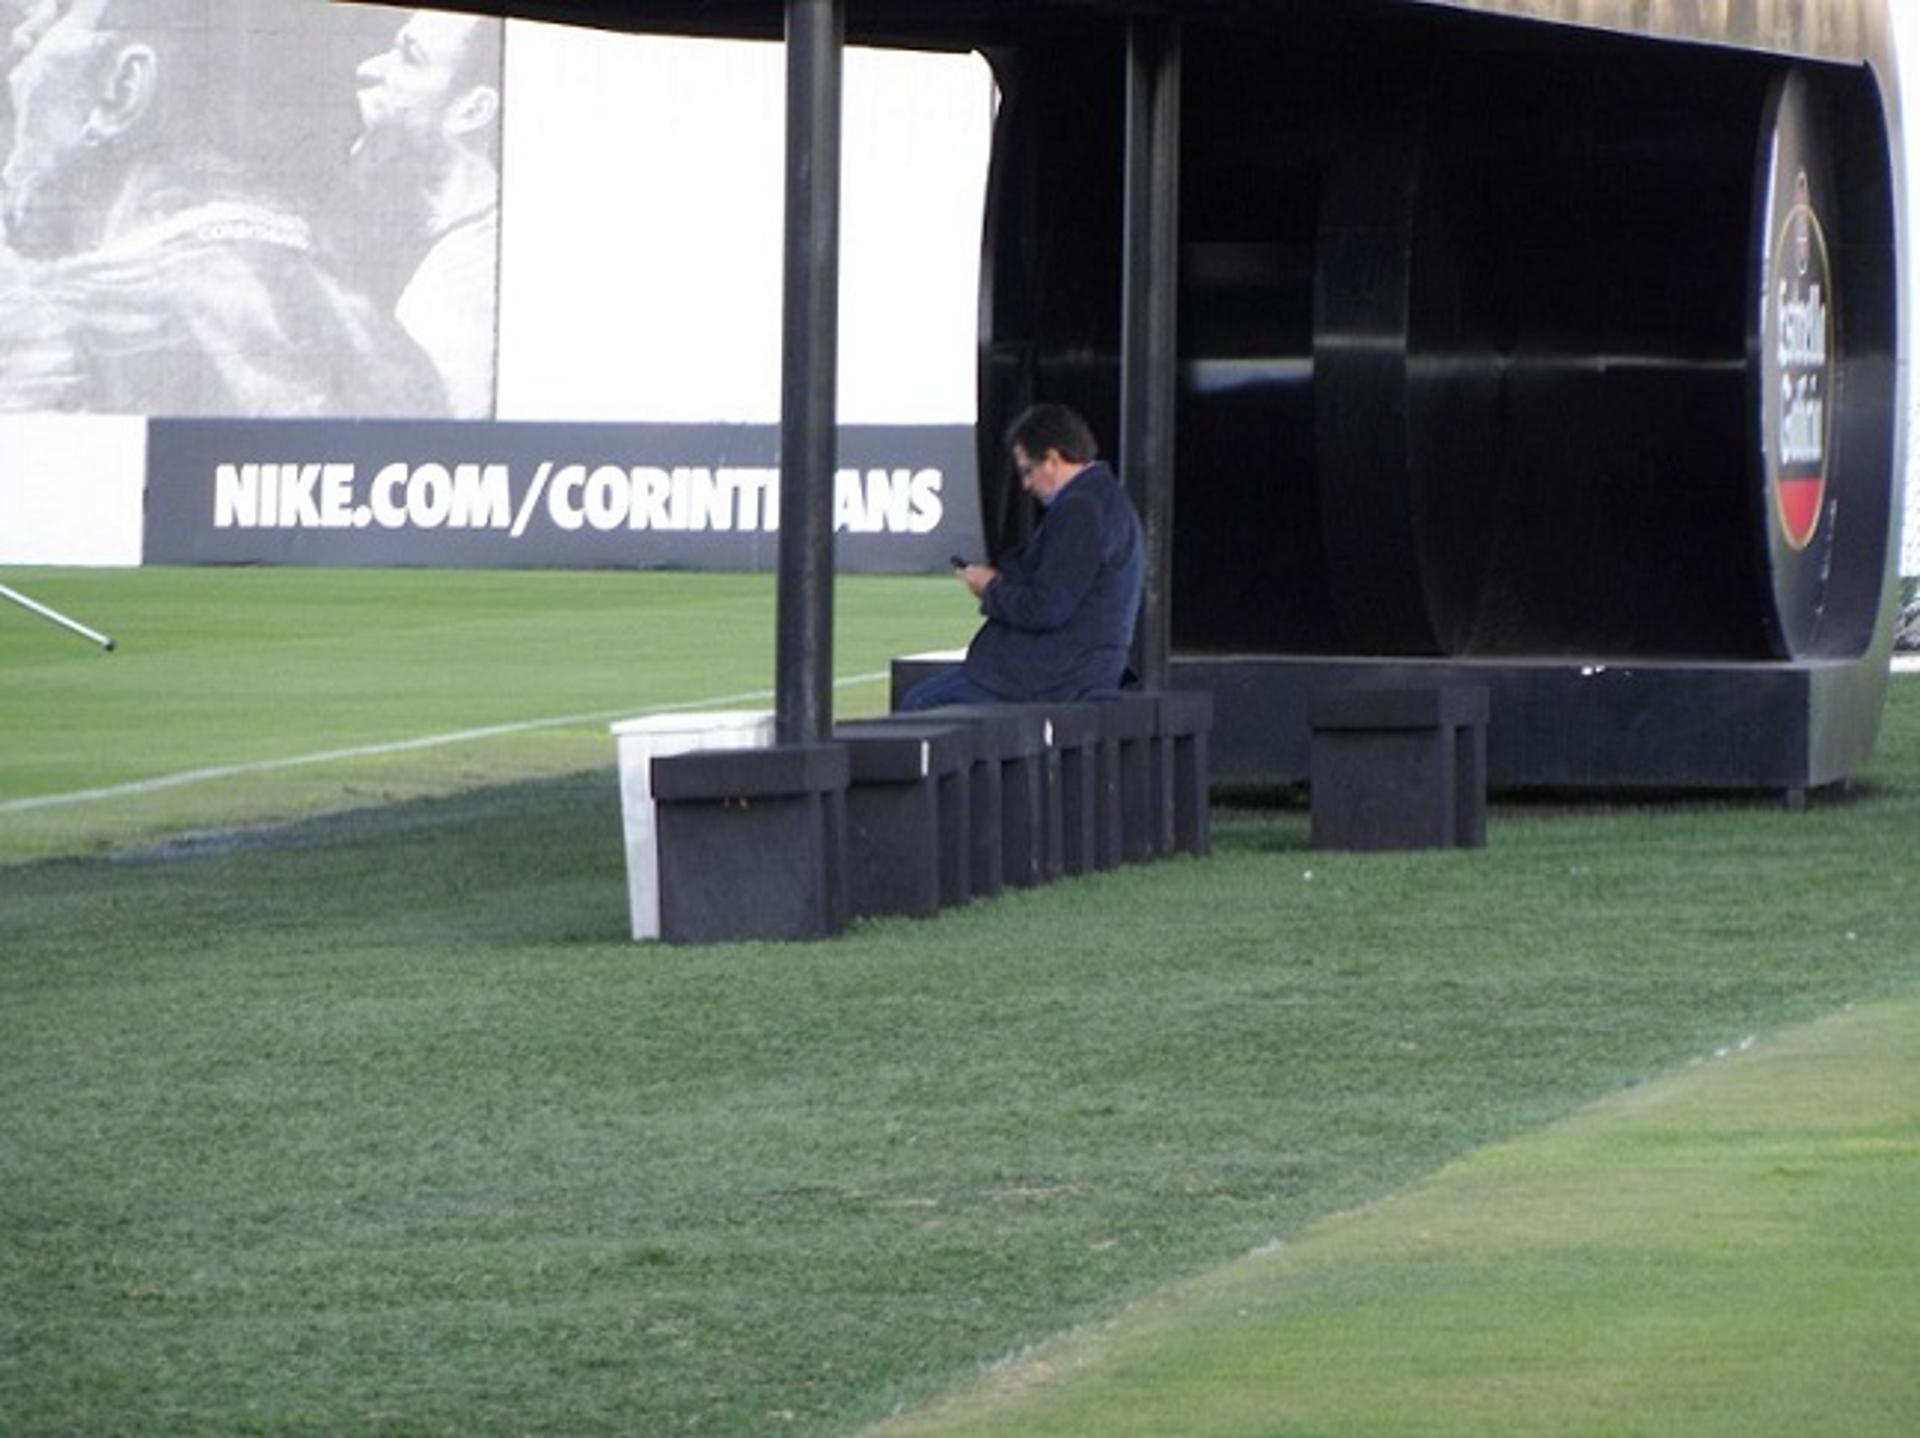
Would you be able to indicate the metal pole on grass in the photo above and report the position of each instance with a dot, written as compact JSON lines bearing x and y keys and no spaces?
{"x":1149,"y":355}
{"x":803,"y":657}
{"x":57,"y":617}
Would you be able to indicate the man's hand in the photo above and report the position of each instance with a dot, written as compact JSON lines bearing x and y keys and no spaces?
{"x":977,"y":577}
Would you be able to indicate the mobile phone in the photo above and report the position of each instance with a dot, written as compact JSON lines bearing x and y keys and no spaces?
{"x":957,"y":562}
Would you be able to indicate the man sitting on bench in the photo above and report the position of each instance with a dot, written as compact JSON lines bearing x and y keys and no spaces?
{"x":1059,"y":609}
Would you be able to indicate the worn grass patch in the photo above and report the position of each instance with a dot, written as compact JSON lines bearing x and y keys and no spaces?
{"x":1727,"y":1251}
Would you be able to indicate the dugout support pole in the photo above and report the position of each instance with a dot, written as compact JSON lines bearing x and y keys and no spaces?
{"x":803,"y":652}
{"x":1149,"y":356}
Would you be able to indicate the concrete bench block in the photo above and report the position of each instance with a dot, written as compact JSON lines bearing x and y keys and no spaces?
{"x":1016,"y":794}
{"x":909,"y":819}
{"x":1182,"y":772}
{"x":1399,"y":768}
{"x":752,"y":843}
{"x":1074,"y":736}
{"x":907,"y":670}
{"x":1129,"y":828}
{"x":638,"y":742}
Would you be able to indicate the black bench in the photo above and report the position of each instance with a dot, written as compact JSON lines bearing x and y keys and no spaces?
{"x":909,"y":816}
{"x":1015,"y":796}
{"x":1399,"y":768}
{"x":752,"y":843}
{"x":1182,"y":770}
{"x":1145,"y":794}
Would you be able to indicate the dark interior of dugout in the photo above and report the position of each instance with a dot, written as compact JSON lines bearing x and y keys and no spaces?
{"x":1465,"y":333}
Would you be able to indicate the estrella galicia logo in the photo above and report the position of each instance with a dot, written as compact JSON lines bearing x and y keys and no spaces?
{"x":1799,"y":361}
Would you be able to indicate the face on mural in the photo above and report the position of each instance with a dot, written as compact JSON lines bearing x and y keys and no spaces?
{"x":59,"y":57}
{"x":416,"y":96}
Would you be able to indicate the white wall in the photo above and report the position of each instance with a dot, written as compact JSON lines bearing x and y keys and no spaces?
{"x":71,"y":487}
{"x":643,"y":184}
{"x":642,"y":191}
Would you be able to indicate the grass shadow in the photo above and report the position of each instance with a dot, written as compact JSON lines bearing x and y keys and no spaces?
{"x":530,"y":862}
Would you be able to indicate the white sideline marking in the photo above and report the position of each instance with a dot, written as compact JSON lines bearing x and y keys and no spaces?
{"x":396,"y":746}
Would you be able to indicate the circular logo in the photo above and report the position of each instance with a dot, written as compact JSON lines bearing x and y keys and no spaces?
{"x":1798,"y":365}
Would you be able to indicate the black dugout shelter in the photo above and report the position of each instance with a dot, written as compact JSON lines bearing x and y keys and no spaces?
{"x":1547,"y":345}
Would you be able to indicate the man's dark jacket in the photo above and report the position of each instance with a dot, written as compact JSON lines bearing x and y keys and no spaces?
{"x":1060,"y":616}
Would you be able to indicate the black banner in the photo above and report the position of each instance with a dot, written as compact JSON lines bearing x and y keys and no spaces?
{"x":545,"y":496}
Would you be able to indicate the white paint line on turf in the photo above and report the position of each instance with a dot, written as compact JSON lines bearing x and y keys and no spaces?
{"x":397,"y":746}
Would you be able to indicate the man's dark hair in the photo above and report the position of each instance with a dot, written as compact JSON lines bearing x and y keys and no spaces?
{"x":1042,"y":427}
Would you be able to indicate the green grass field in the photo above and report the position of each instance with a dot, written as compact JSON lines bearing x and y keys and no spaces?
{"x":252,"y":669}
{"x":1727,"y":1251}
{"x":373,"y":1120}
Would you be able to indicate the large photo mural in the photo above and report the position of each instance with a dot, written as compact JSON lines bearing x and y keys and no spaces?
{"x":299,"y":245}
{"x":223,"y":208}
